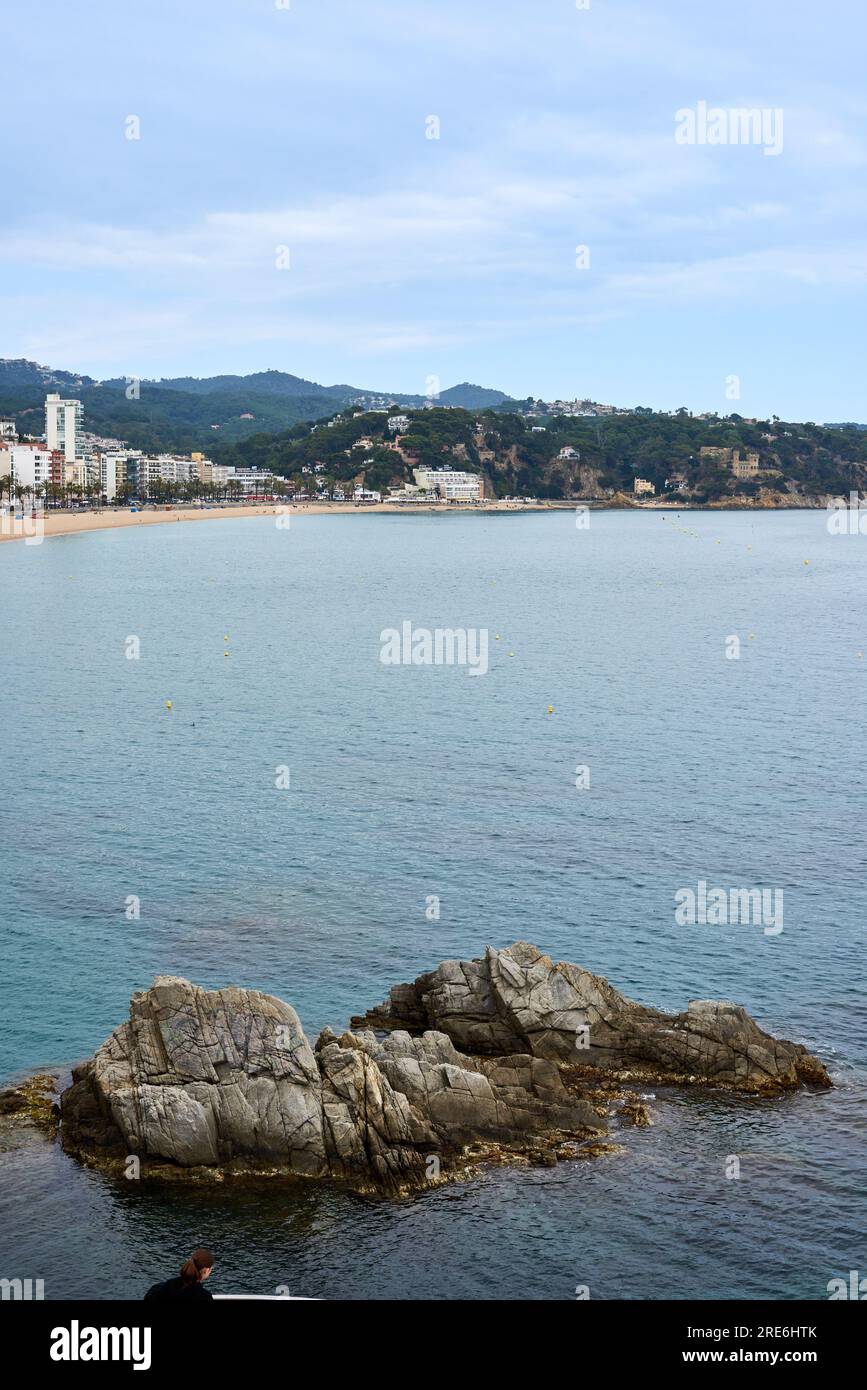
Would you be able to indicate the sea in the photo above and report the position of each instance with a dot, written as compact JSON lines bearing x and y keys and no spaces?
{"x":209,"y":771}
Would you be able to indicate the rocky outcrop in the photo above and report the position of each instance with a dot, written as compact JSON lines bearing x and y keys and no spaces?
{"x":226,"y":1080}
{"x":519,"y":1000}
{"x":510,"y":1054}
{"x":31,"y":1103}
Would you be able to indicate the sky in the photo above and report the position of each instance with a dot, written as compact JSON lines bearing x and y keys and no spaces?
{"x":393,"y":194}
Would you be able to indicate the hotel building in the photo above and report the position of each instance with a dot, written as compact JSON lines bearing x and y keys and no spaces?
{"x":450,"y":483}
{"x":64,"y":427}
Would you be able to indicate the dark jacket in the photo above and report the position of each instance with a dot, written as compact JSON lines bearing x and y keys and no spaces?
{"x":176,"y":1288}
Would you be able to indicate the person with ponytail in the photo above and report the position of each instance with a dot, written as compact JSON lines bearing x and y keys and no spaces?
{"x":190,"y":1283}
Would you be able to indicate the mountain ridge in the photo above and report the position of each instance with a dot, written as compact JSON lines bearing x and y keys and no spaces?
{"x":190,"y":412}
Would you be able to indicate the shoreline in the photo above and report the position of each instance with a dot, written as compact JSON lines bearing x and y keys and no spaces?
{"x":81,"y":523}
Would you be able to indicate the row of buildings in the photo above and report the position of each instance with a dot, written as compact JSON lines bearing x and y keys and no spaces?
{"x":67,"y":457}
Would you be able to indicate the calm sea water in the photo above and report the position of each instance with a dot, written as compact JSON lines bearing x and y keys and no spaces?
{"x":407,"y":782}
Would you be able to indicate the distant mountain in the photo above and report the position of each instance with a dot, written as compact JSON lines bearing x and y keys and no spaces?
{"x":283,"y":384}
{"x":270,"y":383}
{"x":199,"y":412}
{"x":470,"y":397}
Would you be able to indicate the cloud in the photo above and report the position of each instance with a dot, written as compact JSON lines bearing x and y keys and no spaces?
{"x":305,"y":128}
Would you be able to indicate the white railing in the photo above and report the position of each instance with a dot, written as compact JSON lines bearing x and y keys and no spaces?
{"x":269,"y":1297}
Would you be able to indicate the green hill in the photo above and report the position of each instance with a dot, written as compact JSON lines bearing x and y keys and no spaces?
{"x":796,"y":460}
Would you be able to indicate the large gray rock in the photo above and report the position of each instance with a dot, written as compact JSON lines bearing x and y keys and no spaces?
{"x":518,"y":1000}
{"x":490,"y":1053}
{"x":226,"y":1080}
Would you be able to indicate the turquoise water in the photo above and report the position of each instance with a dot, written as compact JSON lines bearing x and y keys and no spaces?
{"x":410,"y":782}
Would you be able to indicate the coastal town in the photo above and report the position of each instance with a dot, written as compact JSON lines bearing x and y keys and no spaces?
{"x":66,"y":466}
{"x":382,"y":456}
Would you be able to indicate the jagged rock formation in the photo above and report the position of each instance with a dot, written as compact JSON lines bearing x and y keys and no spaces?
{"x":489,"y":1053}
{"x":518,"y":1000}
{"x":227,"y":1080}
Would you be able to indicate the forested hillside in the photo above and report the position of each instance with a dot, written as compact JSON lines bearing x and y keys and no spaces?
{"x":517,"y":458}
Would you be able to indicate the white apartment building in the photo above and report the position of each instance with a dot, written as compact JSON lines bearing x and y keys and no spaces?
{"x":112,"y":473}
{"x":398,"y":424}
{"x":27,"y":465}
{"x":8,"y":430}
{"x":64,"y":427}
{"x":175,"y":469}
{"x":142,"y":473}
{"x":450,"y":483}
{"x":252,"y":480}
{"x":167,"y":468}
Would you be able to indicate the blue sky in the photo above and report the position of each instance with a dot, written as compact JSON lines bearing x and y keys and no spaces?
{"x":454,"y":258}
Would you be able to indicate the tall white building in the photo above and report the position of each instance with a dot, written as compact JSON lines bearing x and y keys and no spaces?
{"x":8,"y":430}
{"x":64,"y":426}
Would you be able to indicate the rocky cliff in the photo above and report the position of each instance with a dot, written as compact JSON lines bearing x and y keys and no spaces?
{"x":480,"y":1058}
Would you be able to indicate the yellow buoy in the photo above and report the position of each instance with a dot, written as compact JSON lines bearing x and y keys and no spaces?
{"x":550,"y":709}
{"x":168,"y":704}
{"x":225,"y":636}
{"x":225,"y":653}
